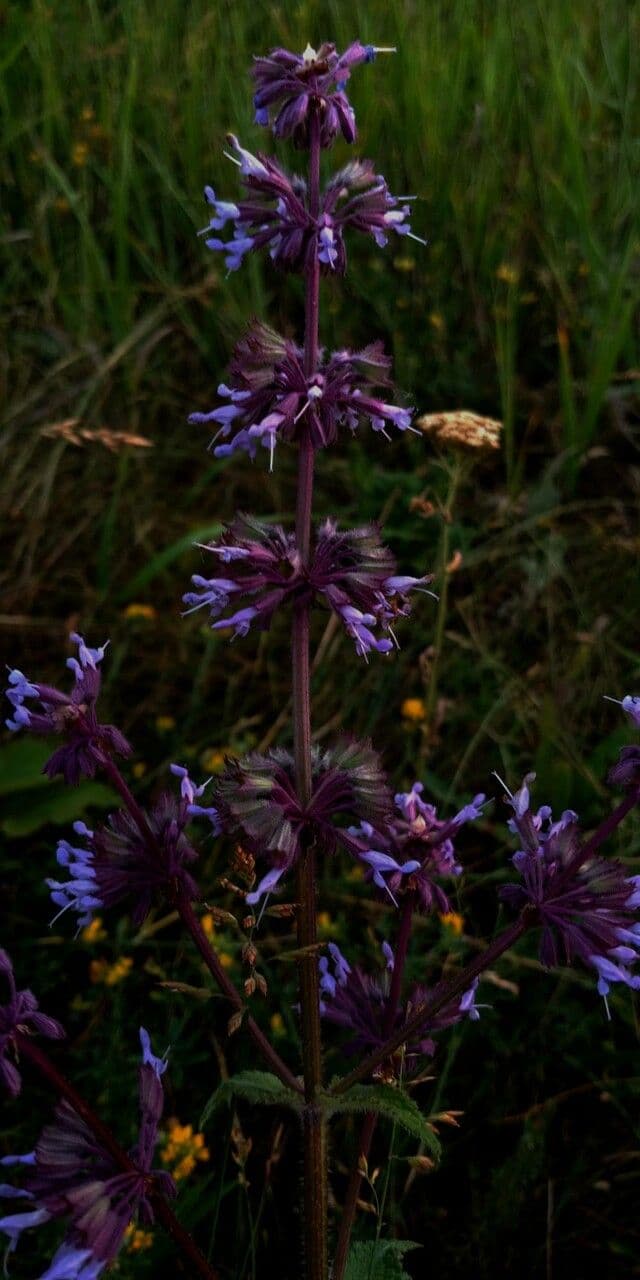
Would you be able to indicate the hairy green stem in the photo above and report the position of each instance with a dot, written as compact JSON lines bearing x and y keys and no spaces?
{"x":314,"y":1125}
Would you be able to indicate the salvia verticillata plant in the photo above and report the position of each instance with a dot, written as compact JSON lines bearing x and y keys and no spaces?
{"x":289,"y":809}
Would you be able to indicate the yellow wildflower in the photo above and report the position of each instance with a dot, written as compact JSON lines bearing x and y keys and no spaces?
{"x":437,"y":321}
{"x":140,"y":611}
{"x":164,"y":723}
{"x":453,"y":921}
{"x":276,"y":1022}
{"x":507,"y":273}
{"x":404,"y":264}
{"x":183,"y":1148}
{"x":94,"y":932}
{"x":413,"y":709}
{"x":325,"y":922}
{"x":225,"y":959}
{"x":100,"y":971}
{"x":212,"y":760}
{"x":208,"y":927}
{"x":79,"y":154}
{"x":136,"y":1239}
{"x":139,"y":769}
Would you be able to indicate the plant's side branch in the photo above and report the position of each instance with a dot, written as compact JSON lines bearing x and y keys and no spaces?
{"x":442,"y":994}
{"x":192,"y":924}
{"x":198,"y":1264}
{"x":602,"y":833}
{"x":369,"y":1123}
{"x":266,"y":1049}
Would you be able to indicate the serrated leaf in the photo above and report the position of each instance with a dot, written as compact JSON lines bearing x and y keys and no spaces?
{"x":391,"y":1103}
{"x":260,"y":1087}
{"x":378,"y":1260}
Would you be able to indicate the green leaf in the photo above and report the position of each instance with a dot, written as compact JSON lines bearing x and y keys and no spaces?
{"x":21,"y":763}
{"x":260,"y":1087}
{"x":378,"y":1260}
{"x":391,"y":1103}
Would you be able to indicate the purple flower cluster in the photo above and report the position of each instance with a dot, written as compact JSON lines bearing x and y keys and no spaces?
{"x":352,"y":571}
{"x":19,"y":1016}
{"x":308,"y":84}
{"x":70,"y":1175}
{"x":271,"y":398}
{"x":274,"y":214}
{"x":588,"y":910}
{"x":88,"y":744}
{"x":413,"y":847}
{"x":256,"y":796}
{"x":120,"y":861}
{"x":358,"y":1002}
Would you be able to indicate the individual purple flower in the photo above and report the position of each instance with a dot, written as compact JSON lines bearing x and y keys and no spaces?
{"x":120,"y":862}
{"x":19,"y":1016}
{"x":626,"y":771}
{"x":88,"y":744}
{"x":271,"y":399}
{"x":358,"y":1002}
{"x":588,"y":910}
{"x":262,"y":569}
{"x":301,"y":85}
{"x":71,"y":1176}
{"x":630,"y":705}
{"x":414,"y":847}
{"x":274,"y":214}
{"x":256,"y":797}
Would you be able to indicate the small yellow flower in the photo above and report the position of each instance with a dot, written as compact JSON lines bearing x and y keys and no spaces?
{"x":139,"y":769}
{"x":164,"y":723}
{"x":413,"y":709}
{"x":94,"y":932}
{"x":79,"y":154}
{"x":61,"y":204}
{"x":212,"y":760}
{"x":507,"y":273}
{"x":100,"y":971}
{"x":437,"y":321}
{"x":325,"y":922}
{"x":183,"y":1148}
{"x":208,"y":927}
{"x":225,"y":959}
{"x":87,"y":113}
{"x":404,"y":264}
{"x":451,"y":920}
{"x":276,"y":1022}
{"x":136,"y":1239}
{"x":140,"y":611}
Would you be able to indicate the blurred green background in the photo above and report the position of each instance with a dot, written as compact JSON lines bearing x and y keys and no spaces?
{"x":516,"y":125}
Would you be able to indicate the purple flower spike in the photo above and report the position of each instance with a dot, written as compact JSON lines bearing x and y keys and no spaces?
{"x":89,"y":744}
{"x":274,"y":214}
{"x":256,"y":796}
{"x":358,"y":1003}
{"x":588,"y":911}
{"x":351,"y":571}
{"x":70,"y":1176}
{"x":302,"y":84}
{"x":626,"y":772}
{"x":119,"y":863}
{"x":272,"y":399}
{"x":630,"y":705}
{"x":19,"y":1014}
{"x":413,"y":848}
